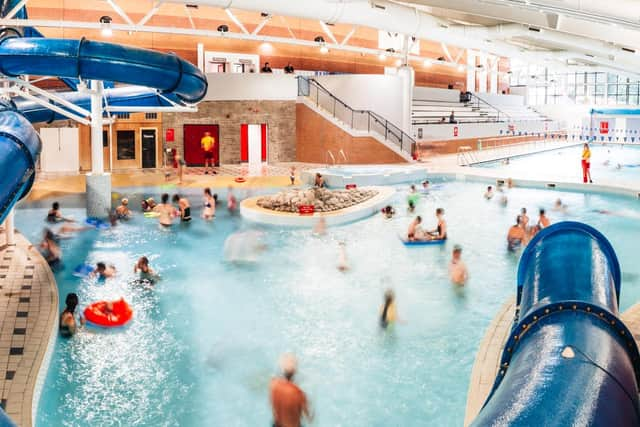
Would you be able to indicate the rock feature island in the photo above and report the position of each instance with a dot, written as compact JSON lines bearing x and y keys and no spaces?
{"x":322,"y":199}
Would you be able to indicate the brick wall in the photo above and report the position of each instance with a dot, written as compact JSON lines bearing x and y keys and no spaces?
{"x":315,"y":136}
{"x":280,"y":117}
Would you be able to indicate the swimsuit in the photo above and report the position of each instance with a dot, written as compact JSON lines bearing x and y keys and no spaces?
{"x":186,"y":216}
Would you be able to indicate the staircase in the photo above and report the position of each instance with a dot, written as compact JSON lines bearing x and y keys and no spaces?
{"x":357,"y":123}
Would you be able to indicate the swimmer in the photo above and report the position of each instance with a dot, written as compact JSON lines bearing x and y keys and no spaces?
{"x":209,"y":211}
{"x":516,"y":235}
{"x":489,"y":193}
{"x":54,"y":214}
{"x":412,"y":189}
{"x":558,"y":206}
{"x":413,"y":227}
{"x":292,"y":175}
{"x":232,"y":202}
{"x":504,"y":201}
{"x":510,"y":183}
{"x":184,"y":206}
{"x":505,"y":161}
{"x":122,"y":211}
{"x":104,"y":271}
{"x":440,"y":232}
{"x":146,"y":272}
{"x":148,"y":204}
{"x":320,"y":228}
{"x":543,"y":220}
{"x":524,"y":218}
{"x":68,"y":325}
{"x":388,"y":312}
{"x":411,"y":207}
{"x":457,"y":269}
{"x":319,"y":181}
{"x":343,"y":264}
{"x":166,"y":210}
{"x":288,"y":402}
{"x":388,"y":211}
{"x":425,"y":185}
{"x":50,"y":249}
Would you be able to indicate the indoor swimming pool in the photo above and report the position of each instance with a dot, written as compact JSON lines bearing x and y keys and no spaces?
{"x":610,"y":164}
{"x":205,"y":341}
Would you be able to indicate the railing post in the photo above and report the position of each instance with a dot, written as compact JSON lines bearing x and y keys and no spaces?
{"x":386,"y":129}
{"x":352,"y":120}
{"x":334,"y":107}
{"x":317,"y":96}
{"x":368,"y":122}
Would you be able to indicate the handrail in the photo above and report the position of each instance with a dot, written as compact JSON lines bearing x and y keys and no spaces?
{"x":473,"y":95}
{"x":326,"y":157}
{"x":353,"y":117}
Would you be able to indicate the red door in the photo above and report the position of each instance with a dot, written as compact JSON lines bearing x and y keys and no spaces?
{"x":244,"y":142}
{"x":193,"y":154}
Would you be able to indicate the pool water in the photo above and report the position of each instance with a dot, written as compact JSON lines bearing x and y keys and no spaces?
{"x":205,"y":341}
{"x":565,"y":164}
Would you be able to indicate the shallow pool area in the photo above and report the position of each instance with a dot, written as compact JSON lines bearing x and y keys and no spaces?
{"x":340,"y":176}
{"x":205,"y":341}
{"x":611,"y":164}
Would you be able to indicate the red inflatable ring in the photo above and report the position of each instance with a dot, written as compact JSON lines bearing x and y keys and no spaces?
{"x":99,"y":314}
{"x":240,"y":179}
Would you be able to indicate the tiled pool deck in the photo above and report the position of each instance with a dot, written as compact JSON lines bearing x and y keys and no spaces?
{"x":28,"y":315}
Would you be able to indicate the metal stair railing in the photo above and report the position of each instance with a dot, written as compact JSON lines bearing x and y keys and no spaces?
{"x":361,"y":120}
{"x":479,"y":103}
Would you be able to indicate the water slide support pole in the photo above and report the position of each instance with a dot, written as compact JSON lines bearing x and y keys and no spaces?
{"x":98,"y":182}
{"x":9,"y":229}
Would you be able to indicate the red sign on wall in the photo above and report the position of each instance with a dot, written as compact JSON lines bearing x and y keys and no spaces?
{"x":604,"y":127}
{"x":455,"y":131}
{"x":170,"y":135}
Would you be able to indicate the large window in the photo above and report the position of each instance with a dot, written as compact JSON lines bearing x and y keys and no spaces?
{"x":126,"y":142}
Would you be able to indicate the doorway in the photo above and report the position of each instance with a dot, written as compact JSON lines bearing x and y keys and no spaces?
{"x":148,"y":137}
{"x":193,"y":153}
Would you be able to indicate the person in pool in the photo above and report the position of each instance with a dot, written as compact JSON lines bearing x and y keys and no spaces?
{"x":388,"y":312}
{"x":489,"y":193}
{"x":209,"y":211}
{"x":122,"y":211}
{"x":145,"y":271}
{"x":425,"y":185}
{"x":184,"y":206}
{"x":543,"y":220}
{"x":104,"y":271}
{"x":166,"y":210}
{"x":411,"y":208}
{"x":148,"y":205}
{"x":524,"y":218}
{"x":343,"y":264}
{"x":319,"y":181}
{"x":232,"y":202}
{"x":457,"y":269}
{"x":414,"y":228}
{"x":50,"y":249}
{"x":516,"y":235}
{"x":289,"y":403}
{"x":54,"y":215}
{"x":559,"y":206}
{"x":68,"y":323}
{"x":440,"y":232}
{"x":388,"y":211}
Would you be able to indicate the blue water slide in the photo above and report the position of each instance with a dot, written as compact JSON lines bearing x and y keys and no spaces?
{"x":19,"y":150}
{"x":159,"y":78}
{"x":569,"y":360}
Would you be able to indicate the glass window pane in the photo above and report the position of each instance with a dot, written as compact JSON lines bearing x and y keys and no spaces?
{"x":591,"y":78}
{"x":126,"y":143}
{"x":612,"y":78}
{"x":601,"y":78}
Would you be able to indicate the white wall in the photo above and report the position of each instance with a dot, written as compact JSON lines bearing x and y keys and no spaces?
{"x":60,"y":150}
{"x":247,"y":86}
{"x":437,"y":132}
{"x":436,"y":94}
{"x":379,"y":93}
{"x":499,"y":99}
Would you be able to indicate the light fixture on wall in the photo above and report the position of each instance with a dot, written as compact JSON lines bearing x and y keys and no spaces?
{"x":427,"y":63}
{"x":460,"y":68}
{"x":223,"y":28}
{"x":398,"y":62}
{"x":324,"y":49}
{"x":320,"y":40}
{"x":105,"y":26}
{"x":382,"y":56}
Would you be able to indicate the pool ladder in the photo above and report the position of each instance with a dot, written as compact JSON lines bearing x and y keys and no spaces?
{"x":334,"y":162}
{"x":466,"y":156}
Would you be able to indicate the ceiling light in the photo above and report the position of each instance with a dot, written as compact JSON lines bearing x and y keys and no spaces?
{"x":324,"y":49}
{"x":398,"y":62}
{"x":105,"y":26}
{"x":382,"y":56}
{"x":460,"y":68}
{"x":427,"y":63}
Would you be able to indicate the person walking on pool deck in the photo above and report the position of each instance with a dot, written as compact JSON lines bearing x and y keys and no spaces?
{"x":288,"y":402}
{"x":208,"y":143}
{"x":586,"y":164}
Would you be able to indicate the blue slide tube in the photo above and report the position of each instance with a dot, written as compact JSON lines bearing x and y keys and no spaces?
{"x":90,"y":60}
{"x":19,"y":149}
{"x":569,"y":360}
{"x":177,"y":80}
